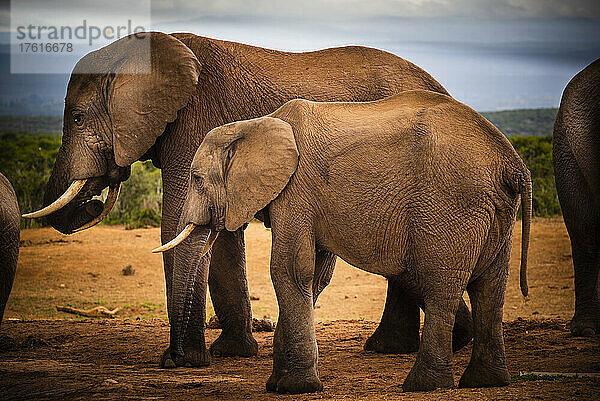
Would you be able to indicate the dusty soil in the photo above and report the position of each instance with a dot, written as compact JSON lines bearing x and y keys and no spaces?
{"x":50,"y":354}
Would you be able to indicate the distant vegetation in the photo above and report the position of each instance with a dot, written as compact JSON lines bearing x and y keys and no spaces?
{"x":28,"y":148}
{"x":527,"y":122}
{"x":31,"y":125}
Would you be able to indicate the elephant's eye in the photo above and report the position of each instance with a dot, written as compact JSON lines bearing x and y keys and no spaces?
{"x":197,"y":179}
{"x":78,"y":119}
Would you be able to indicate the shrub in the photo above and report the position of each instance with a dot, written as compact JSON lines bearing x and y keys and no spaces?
{"x":536,"y":152}
{"x":140,"y":201}
{"x":27,"y":160}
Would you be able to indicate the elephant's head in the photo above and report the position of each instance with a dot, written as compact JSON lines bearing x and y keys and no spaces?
{"x":237,"y":171}
{"x":119,"y":101}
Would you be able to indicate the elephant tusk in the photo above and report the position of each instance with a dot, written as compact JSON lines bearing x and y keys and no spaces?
{"x":111,"y":199}
{"x":209,"y":243}
{"x":177,"y":240}
{"x":58,"y":204}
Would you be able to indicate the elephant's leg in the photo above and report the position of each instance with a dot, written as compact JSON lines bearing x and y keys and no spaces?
{"x":586,"y":262}
{"x":442,"y":292}
{"x":398,"y":331}
{"x":462,"y":333}
{"x":324,"y":266}
{"x":229,"y":293}
{"x":295,"y":353}
{"x":487,"y":367}
{"x":582,"y":219}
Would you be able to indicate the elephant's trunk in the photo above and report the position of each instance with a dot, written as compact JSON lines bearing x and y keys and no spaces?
{"x":191,"y":264}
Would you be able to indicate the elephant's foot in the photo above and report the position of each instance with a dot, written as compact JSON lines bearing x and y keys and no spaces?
{"x":484,"y":375}
{"x":227,"y":345}
{"x":192,"y":357}
{"x":586,"y":323}
{"x":392,"y":342}
{"x":295,"y":382}
{"x":427,"y":377}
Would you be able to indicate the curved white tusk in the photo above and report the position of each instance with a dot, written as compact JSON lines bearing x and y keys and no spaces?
{"x":58,"y":204}
{"x":209,"y":243}
{"x":111,"y":199}
{"x":177,"y":240}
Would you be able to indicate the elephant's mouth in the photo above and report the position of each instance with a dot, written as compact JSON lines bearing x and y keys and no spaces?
{"x":79,"y":208}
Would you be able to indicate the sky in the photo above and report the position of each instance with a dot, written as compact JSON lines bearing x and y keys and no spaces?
{"x":491,"y":55}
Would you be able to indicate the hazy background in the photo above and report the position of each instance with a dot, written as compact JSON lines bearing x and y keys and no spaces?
{"x":490,"y":54}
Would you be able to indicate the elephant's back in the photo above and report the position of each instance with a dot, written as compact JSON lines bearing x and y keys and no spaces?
{"x":410,"y":118}
{"x":576,"y":136}
{"x":420,"y":136}
{"x":350,"y":73}
{"x":580,"y":102}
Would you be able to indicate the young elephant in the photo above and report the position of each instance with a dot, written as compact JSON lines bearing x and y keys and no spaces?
{"x":416,"y":187}
{"x":10,"y":222}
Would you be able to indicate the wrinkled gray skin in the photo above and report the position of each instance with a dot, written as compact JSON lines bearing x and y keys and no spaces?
{"x":196,"y":84}
{"x":10,"y":222}
{"x":416,"y":187}
{"x":576,"y":157}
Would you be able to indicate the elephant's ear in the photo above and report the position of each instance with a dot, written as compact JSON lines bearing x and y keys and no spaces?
{"x":261,"y":162}
{"x":153,"y":76}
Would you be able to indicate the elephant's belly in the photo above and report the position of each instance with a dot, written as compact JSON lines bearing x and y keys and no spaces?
{"x":364,"y":255}
{"x":386,"y":268}
{"x":382,"y":253}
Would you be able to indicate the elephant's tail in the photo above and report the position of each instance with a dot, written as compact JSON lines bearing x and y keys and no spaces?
{"x":526,"y":208}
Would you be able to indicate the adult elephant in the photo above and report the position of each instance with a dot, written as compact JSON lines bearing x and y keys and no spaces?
{"x":10,"y":221}
{"x":114,"y":118}
{"x":576,"y":156}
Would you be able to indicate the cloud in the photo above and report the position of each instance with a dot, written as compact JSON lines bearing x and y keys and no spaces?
{"x":164,"y":10}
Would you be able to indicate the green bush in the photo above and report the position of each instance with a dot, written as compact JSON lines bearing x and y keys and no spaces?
{"x":140,"y":201}
{"x":27,"y":160}
{"x":536,"y":152}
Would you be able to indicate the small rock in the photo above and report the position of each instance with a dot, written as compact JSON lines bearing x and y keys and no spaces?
{"x":535,"y":313}
{"x":128,"y":271}
{"x":62,"y":285}
{"x":265,"y":324}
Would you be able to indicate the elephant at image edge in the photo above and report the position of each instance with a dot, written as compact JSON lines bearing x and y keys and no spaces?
{"x":10,"y":225}
{"x":416,"y":186}
{"x":576,"y":159}
{"x":114,"y":118}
